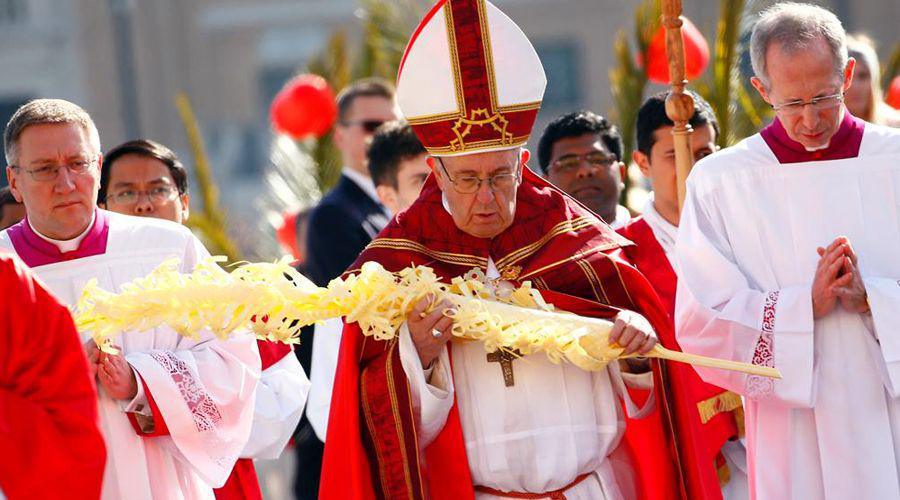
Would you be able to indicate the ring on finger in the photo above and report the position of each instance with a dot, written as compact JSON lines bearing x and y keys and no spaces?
{"x":436,"y":333}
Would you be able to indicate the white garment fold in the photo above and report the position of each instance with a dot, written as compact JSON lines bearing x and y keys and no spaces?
{"x":280,"y":397}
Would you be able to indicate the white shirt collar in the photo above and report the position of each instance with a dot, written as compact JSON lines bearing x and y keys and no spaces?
{"x":364,"y":183}
{"x":67,"y":245}
{"x":663,"y":230}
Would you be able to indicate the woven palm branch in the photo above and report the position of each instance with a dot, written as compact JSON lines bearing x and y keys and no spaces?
{"x":275,"y":301}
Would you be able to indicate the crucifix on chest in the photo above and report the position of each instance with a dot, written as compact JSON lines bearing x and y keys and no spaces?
{"x":505,"y":358}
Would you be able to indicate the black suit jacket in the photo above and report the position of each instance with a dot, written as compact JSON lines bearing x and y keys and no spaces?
{"x":343,"y":223}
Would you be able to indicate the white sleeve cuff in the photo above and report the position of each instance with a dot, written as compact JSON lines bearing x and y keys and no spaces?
{"x":139,"y":403}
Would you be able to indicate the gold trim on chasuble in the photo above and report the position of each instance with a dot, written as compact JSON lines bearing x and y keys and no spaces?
{"x":569,"y":225}
{"x":396,"y":410}
{"x":459,"y":259}
{"x":594,"y":280}
{"x":480,"y":117}
{"x":720,"y":403}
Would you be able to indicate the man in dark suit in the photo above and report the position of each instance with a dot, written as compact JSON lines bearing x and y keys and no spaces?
{"x":339,"y":228}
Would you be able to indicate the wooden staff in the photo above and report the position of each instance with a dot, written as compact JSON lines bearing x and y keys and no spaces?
{"x":679,"y":105}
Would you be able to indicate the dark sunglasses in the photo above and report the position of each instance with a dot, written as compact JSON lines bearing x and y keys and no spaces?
{"x":368,"y":125}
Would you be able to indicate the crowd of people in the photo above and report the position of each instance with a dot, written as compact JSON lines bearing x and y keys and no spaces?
{"x":781,"y":254}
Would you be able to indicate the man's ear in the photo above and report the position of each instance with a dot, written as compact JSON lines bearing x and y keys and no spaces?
{"x":525,"y":156}
{"x":13,"y":180}
{"x":848,"y":73}
{"x":388,"y":197}
{"x":437,"y":172}
{"x":642,"y":161}
{"x":761,"y":88}
{"x":186,"y":206}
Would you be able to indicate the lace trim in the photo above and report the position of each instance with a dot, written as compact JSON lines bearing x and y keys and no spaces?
{"x":203,"y":410}
{"x":764,"y":355}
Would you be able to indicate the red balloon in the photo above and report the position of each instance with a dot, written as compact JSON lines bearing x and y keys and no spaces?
{"x":893,"y":95}
{"x":305,"y":106}
{"x":696,"y":53}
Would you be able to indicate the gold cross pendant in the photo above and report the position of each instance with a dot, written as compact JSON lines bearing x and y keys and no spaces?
{"x":505,"y":358}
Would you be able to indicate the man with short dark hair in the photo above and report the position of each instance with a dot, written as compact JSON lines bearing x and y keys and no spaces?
{"x":581,"y":153}
{"x":175,"y":411}
{"x":787,"y":257}
{"x":11,"y":211}
{"x":340,"y":226}
{"x":397,"y":163}
{"x":146,"y":179}
{"x":706,"y":418}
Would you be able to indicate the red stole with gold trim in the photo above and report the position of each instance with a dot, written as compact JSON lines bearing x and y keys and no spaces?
{"x":372,"y":448}
{"x":705,"y":416}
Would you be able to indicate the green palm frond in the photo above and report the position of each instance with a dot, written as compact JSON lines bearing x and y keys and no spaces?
{"x":209,"y":220}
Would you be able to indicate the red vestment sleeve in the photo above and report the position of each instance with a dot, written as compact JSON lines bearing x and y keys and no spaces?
{"x":158,"y":428}
{"x":50,"y":444}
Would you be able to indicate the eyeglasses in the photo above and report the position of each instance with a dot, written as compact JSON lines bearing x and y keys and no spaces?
{"x":368,"y":125}
{"x":51,"y":172}
{"x":471,"y":184}
{"x":157,"y":196}
{"x":571,"y":163}
{"x":823,"y":103}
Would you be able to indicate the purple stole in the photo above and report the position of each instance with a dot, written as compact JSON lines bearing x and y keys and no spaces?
{"x":36,"y":251}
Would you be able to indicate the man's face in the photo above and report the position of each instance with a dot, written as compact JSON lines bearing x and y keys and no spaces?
{"x":351,"y":137}
{"x":803,"y":76}
{"x":411,"y":175}
{"x":484,"y":213}
{"x":659,"y":166}
{"x":60,"y":208}
{"x":588,"y":171}
{"x":143,"y":186}
{"x":12,"y":213}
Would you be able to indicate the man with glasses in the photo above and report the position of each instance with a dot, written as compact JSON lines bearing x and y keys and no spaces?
{"x":340,"y":226}
{"x":787,"y":257}
{"x":422,"y":417}
{"x":175,"y":411}
{"x":581,"y":153}
{"x":146,"y":179}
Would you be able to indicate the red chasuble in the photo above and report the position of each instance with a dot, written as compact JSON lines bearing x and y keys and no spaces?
{"x":702,"y":416}
{"x":50,"y":445}
{"x":243,"y":484}
{"x":372,"y":449}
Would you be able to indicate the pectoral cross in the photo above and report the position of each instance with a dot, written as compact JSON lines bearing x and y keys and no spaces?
{"x":505,"y":358}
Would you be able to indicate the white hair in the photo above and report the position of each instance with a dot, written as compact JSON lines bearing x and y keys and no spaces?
{"x":796,"y":26}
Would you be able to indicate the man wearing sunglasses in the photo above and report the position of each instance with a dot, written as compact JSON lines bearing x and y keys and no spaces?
{"x":175,"y":411}
{"x":340,"y":226}
{"x":581,"y":153}
{"x":787,"y":257}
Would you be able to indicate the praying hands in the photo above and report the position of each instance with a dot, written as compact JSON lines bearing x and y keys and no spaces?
{"x":838,"y":280}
